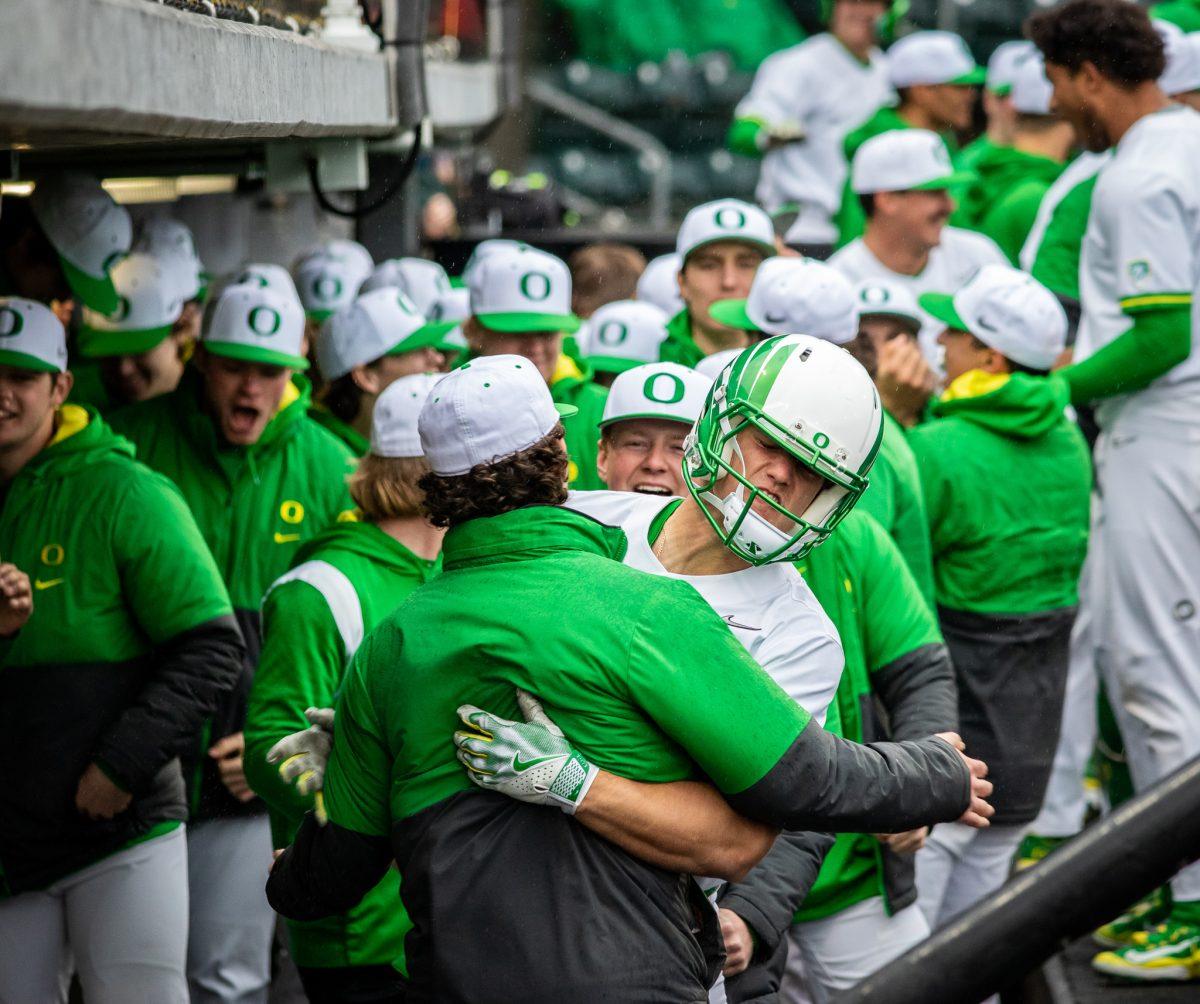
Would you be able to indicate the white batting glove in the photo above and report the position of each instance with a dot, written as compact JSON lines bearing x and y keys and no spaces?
{"x":303,"y":757}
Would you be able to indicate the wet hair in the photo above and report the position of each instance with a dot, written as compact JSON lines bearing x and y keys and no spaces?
{"x":535,"y":476}
{"x":343,"y":397}
{"x":1116,"y":36}
{"x":603,"y":273}
{"x":387,"y":487}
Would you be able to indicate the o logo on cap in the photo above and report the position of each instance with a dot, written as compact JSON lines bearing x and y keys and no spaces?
{"x":11,"y":322}
{"x":327,"y":287}
{"x":264,"y":321}
{"x":535,"y":286}
{"x":248,"y":278}
{"x":612,"y":333}
{"x":724,"y":213}
{"x":875,"y":294}
{"x":674,"y":389}
{"x":405,"y":304}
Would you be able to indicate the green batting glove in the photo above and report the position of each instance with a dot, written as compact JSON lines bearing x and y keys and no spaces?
{"x":530,"y":761}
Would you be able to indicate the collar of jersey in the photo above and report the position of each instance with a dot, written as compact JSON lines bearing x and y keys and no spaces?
{"x":527,"y":533}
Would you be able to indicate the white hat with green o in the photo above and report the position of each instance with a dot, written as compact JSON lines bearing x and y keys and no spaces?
{"x":31,"y":336}
{"x":383,"y":322}
{"x":522,"y":289}
{"x":624,"y":334}
{"x":258,"y":325}
{"x":725,"y":220}
{"x":150,"y":301}
{"x":327,"y":283}
{"x":657,"y":390}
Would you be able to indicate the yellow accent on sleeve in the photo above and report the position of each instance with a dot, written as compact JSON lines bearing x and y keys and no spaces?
{"x":975,"y":383}
{"x":1151,"y":300}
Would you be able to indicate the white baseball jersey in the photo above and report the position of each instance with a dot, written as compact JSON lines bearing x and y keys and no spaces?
{"x":769,"y":609}
{"x":959,"y":256}
{"x":1142,"y":246}
{"x":821,"y":88}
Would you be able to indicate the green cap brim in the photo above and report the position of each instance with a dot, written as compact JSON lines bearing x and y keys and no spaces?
{"x":1001,"y":90}
{"x":457,"y":282}
{"x":319,"y":315}
{"x":732,"y":313}
{"x":648,"y":414}
{"x":941,"y":306}
{"x":953,"y":180}
{"x":95,"y":343}
{"x":98,"y":294}
{"x":24,"y":361}
{"x":612,"y":364}
{"x":506,"y":323}
{"x":566,"y":410}
{"x":974,"y":78}
{"x":427,"y":337}
{"x":768,"y":249}
{"x":254,"y":354}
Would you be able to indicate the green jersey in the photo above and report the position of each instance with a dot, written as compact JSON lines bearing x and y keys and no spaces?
{"x":1003,"y":200}
{"x":341,"y":584}
{"x":895,"y":498}
{"x":680,"y":347}
{"x":1002,"y":543}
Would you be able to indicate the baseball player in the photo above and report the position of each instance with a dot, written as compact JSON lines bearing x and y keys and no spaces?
{"x":1006,"y":563}
{"x":341,"y":584}
{"x":261,"y":478}
{"x":521,"y":304}
{"x":720,"y":246}
{"x":903,"y":180}
{"x":109,"y":664}
{"x":997,"y":103}
{"x":804,"y":101}
{"x":362,"y":349}
{"x":509,"y":857}
{"x":1135,"y":358}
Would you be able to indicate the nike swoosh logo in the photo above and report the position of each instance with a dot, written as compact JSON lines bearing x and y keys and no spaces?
{"x":48,"y":584}
{"x":728,"y":618}
{"x":519,"y":765}
{"x":774,"y":318}
{"x":285,"y":538}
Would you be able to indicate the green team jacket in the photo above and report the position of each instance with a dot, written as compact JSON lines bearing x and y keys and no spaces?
{"x":649,"y":683}
{"x":895,"y":498}
{"x":306,"y":648}
{"x":1003,"y":200}
{"x":572,"y":384}
{"x":354,"y":441}
{"x":130,"y":644}
{"x":680,"y":347}
{"x":1007,"y":481}
{"x":254,"y":505}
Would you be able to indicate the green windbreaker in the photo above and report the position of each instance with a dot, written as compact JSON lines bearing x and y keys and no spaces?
{"x":303,"y":659}
{"x":572,"y":384}
{"x":254,"y":505}
{"x":1003,"y":200}
{"x":895,"y":498}
{"x":1007,"y":479}
{"x":99,"y":673}
{"x":355,"y":441}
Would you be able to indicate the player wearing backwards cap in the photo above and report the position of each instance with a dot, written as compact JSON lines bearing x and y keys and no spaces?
{"x":997,"y":103}
{"x":521,"y":304}
{"x":127,"y":646}
{"x":1136,"y":359}
{"x":720,"y":246}
{"x":903,"y":180}
{"x":260,"y":478}
{"x":1011,"y":181}
{"x":621,"y":335}
{"x":935,"y":76}
{"x":1006,"y":564}
{"x":804,"y":101}
{"x":341,"y":584}
{"x":361,"y":349}
{"x":493,"y":441}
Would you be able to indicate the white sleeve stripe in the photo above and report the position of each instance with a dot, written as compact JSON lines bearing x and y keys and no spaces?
{"x":338,"y":593}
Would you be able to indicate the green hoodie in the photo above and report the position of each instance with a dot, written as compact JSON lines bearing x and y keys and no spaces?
{"x":680,"y":347}
{"x":1007,"y":480}
{"x":1003,"y":200}
{"x":355,"y":441}
{"x":304,"y":657}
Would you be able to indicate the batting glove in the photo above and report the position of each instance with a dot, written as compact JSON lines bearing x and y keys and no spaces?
{"x":303,"y":756}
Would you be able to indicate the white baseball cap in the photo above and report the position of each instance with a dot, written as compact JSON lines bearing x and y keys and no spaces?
{"x":725,"y":220}
{"x":488,"y":409}
{"x":31,"y":336}
{"x":452,"y":305}
{"x":1031,"y":88}
{"x":904,"y":160}
{"x":794,"y":296}
{"x":88,"y":230}
{"x":339,"y":247}
{"x":522,"y":289}
{"x":888,"y":298}
{"x":394,"y":420}
{"x":624,"y":334}
{"x":932,"y":57}
{"x":659,"y":284}
{"x":1008,"y":311}
{"x":383,"y":322}
{"x":1003,"y":64}
{"x":657,"y":390}
{"x":171,"y":242}
{"x":327,"y":283}
{"x":150,"y":302}
{"x":484,"y":249}
{"x":259,"y":325}
{"x":268,"y":275}
{"x":712,"y":366}
{"x":1182,"y":74}
{"x":423,"y":280}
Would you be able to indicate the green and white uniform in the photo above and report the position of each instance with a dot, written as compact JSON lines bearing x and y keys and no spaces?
{"x":343,"y":583}
{"x":1004,"y":199}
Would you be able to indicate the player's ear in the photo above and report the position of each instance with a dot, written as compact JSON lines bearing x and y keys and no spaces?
{"x":602,"y":459}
